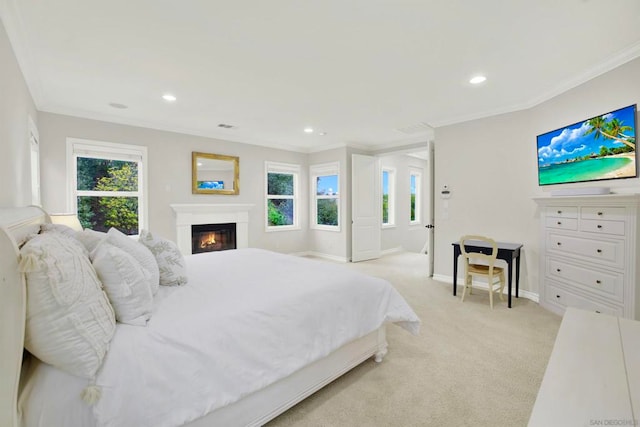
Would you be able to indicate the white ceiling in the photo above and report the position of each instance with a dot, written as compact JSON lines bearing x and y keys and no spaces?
{"x":369,"y":73}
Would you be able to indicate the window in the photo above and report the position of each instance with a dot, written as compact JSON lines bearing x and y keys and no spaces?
{"x":388,"y":196}
{"x":415,"y":178}
{"x":282,"y":196}
{"x":325,"y":187}
{"x":107,"y":185}
{"x":34,"y":142}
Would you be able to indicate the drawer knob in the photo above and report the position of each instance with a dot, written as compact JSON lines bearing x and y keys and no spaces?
{"x":557,"y":296}
{"x":558,"y":270}
{"x":599,"y":251}
{"x":599,"y":213}
{"x":598,"y":311}
{"x":559,"y":212}
{"x":559,"y":222}
{"x":598,"y":282}
{"x":599,"y":226}
{"x":559,"y":243}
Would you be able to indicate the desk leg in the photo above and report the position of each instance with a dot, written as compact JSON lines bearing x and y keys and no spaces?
{"x":455,"y":272}
{"x":510,"y":269}
{"x":517,"y":274}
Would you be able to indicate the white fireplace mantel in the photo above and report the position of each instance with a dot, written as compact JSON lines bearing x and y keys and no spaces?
{"x":200,"y":213}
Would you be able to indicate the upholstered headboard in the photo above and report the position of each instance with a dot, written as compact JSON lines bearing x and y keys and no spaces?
{"x":15,"y":225}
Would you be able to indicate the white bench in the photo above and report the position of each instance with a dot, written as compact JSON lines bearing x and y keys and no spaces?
{"x":593,"y":375}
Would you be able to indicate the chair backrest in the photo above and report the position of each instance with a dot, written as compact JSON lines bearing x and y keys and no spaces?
{"x":490,"y":259}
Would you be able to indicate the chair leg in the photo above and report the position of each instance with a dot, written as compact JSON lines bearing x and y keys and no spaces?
{"x":491,"y":291}
{"x":502,"y":283}
{"x":466,"y":285}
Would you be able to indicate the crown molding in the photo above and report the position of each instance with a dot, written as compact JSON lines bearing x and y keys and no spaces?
{"x":622,"y":57}
{"x":90,"y":115}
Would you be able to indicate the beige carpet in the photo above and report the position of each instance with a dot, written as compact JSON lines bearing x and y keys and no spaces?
{"x":470,"y":365}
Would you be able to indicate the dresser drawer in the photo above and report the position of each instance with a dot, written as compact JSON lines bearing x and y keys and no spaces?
{"x":603,"y":227}
{"x":562,"y":211}
{"x":562,"y":223}
{"x":610,"y":252}
{"x":606,"y":284}
{"x":561,"y":297}
{"x":606,"y":212}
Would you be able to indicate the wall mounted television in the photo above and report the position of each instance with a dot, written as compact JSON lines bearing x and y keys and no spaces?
{"x":600,"y":148}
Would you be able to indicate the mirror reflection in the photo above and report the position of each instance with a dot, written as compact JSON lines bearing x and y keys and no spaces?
{"x":215,"y":174}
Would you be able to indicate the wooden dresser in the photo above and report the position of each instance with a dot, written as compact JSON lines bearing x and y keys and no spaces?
{"x":588,"y":254}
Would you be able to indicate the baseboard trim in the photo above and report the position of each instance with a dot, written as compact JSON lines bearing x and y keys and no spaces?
{"x":343,"y":259}
{"x":391,"y":251}
{"x":323,"y":256}
{"x":522,"y":293}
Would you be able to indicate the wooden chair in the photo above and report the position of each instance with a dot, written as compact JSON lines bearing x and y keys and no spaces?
{"x":486,"y":269}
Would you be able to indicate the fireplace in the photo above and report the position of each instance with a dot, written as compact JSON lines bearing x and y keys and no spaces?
{"x":213,"y":237}
{"x":188,"y":215}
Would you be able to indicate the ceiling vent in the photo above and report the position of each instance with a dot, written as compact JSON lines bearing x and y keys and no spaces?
{"x":417,"y":128}
{"x":226,"y":126}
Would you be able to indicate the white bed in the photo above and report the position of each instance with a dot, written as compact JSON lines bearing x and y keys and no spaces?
{"x":215,"y":352}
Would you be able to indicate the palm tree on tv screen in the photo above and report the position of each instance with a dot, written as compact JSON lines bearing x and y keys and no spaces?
{"x":610,"y":129}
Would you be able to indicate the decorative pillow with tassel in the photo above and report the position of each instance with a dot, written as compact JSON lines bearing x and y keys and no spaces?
{"x":70,"y":321}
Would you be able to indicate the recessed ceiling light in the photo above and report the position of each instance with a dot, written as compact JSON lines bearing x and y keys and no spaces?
{"x":477,"y":80}
{"x":168,"y":97}
{"x":322,"y":133}
{"x":117,"y":105}
{"x":308,"y":130}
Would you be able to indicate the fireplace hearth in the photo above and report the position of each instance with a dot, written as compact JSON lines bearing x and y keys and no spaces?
{"x":213,"y":237}
{"x":190,"y":214}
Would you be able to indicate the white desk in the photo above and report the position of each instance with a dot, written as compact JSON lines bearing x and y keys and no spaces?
{"x":593,"y":375}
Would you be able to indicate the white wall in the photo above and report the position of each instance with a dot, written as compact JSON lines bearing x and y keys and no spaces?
{"x":490,"y":166}
{"x":403,"y":235}
{"x":16,"y":105}
{"x":169,"y":162}
{"x":338,"y":244}
{"x":329,"y":242}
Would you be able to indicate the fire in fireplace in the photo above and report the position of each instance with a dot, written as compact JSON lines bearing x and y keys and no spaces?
{"x":213,"y":237}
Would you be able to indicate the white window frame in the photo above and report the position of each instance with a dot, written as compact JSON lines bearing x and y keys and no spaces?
{"x":418,"y":210}
{"x":289,"y":169}
{"x":34,"y":144}
{"x":324,"y":169}
{"x":391,"y":202}
{"x":113,"y":151}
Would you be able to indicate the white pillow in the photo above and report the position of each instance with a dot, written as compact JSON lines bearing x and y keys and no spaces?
{"x":65,"y":230}
{"x":139,"y":252}
{"x":90,"y":238}
{"x":126,"y":283}
{"x":59,"y":228}
{"x":171,"y":263}
{"x":69,"y":319}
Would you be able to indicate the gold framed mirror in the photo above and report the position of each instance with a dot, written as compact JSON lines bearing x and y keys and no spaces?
{"x":214,"y":174}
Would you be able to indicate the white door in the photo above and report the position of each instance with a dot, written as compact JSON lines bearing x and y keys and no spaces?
{"x":429,"y":217}
{"x":366,"y":208}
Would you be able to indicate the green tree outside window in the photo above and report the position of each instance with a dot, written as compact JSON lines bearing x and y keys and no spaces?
{"x":280,"y":210}
{"x":100,"y":211}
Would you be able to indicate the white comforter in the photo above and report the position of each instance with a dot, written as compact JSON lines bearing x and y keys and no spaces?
{"x":246,"y":319}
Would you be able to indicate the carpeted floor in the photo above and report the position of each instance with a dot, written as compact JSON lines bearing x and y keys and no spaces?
{"x":470,"y":365}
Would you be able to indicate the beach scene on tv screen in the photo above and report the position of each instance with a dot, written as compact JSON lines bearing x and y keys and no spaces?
{"x":603,"y":147}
